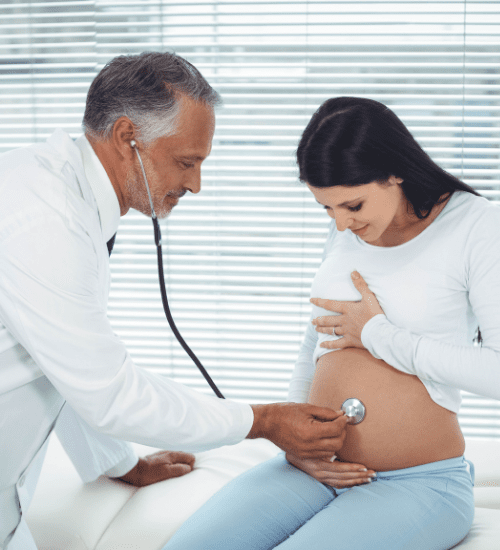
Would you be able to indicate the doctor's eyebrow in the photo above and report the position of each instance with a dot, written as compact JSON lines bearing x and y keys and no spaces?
{"x":192,"y":158}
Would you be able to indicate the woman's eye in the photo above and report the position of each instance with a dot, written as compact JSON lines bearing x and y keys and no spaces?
{"x":351,"y":208}
{"x":186,"y":164}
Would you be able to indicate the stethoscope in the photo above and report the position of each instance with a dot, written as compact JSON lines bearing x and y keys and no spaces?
{"x":353,"y":408}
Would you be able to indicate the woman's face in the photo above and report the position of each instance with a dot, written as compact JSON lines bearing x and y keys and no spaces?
{"x":374,"y":209}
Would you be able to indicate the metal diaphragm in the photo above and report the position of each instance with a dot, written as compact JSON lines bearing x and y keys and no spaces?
{"x":354,"y":410}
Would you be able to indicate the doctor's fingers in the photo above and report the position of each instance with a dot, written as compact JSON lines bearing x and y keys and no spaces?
{"x":331,"y":429}
{"x":161,"y":472}
{"x":171,"y":457}
{"x":180,"y":457}
{"x":174,"y":470}
{"x":326,"y":444}
{"x":162,"y":465}
{"x":318,"y":448}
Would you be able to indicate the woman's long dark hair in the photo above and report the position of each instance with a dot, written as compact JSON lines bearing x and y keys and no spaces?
{"x":353,"y":141}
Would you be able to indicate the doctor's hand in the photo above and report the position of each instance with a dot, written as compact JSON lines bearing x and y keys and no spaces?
{"x":158,"y":467}
{"x":305,"y":430}
{"x":353,"y":316}
{"x":336,"y":474}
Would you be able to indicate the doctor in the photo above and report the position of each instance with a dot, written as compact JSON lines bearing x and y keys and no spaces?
{"x":60,"y":204}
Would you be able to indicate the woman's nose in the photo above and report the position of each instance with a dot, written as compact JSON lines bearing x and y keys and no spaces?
{"x":343,"y":221}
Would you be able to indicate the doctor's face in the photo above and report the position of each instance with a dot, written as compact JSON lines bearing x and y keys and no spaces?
{"x":173,"y":163}
{"x":368,"y":210}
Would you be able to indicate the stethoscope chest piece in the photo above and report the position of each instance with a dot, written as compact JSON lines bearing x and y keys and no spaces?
{"x":354,"y":410}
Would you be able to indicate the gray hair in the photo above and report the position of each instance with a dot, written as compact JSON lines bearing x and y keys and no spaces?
{"x":146,"y":88}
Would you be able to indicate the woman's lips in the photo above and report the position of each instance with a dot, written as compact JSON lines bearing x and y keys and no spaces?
{"x":361,"y":230}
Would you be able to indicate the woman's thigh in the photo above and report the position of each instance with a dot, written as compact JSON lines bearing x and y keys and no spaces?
{"x":255,"y":511}
{"x":420,"y":508}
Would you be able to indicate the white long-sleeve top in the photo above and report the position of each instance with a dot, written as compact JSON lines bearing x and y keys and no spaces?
{"x":56,"y":343}
{"x":435,"y":290}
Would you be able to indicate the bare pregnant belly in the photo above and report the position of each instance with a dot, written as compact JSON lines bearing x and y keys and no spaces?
{"x":403,"y":426}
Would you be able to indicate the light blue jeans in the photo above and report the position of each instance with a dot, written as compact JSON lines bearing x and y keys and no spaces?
{"x":275,"y":505}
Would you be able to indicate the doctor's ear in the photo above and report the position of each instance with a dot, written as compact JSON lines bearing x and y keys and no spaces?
{"x":123,"y":134}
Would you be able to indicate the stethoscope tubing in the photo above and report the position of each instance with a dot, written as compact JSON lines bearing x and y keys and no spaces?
{"x":163,"y":290}
{"x":170,"y":319}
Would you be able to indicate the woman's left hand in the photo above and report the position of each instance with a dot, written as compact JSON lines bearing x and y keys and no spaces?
{"x":353,"y":316}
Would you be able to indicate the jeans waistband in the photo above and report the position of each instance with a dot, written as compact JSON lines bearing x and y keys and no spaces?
{"x":440,"y":465}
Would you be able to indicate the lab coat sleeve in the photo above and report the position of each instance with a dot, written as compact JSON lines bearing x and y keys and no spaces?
{"x":471,"y":368}
{"x":92,"y":453}
{"x":51,"y":288}
{"x":303,"y":373}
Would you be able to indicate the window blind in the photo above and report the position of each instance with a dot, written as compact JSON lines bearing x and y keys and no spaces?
{"x":241,"y":255}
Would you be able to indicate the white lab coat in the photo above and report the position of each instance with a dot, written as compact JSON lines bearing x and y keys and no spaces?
{"x":56,"y":343}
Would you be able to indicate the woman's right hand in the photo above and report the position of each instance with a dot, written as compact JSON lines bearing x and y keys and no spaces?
{"x":338,"y":475}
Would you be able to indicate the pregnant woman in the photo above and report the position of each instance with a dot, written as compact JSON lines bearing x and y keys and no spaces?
{"x":399,"y":338}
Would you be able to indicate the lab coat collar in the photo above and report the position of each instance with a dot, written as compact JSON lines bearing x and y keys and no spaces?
{"x":104,"y":192}
{"x":67,"y":152}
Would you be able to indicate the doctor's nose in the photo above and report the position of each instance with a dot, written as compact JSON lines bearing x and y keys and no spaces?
{"x":194,"y":183}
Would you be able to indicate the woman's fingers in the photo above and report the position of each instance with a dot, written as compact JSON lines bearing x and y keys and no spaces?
{"x":337,"y":484}
{"x":336,"y":474}
{"x":348,"y":475}
{"x":348,"y":467}
{"x":342,"y":480}
{"x":327,"y":321}
{"x":351,"y":475}
{"x":340,"y":475}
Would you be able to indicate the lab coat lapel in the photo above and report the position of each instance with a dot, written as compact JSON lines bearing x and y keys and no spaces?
{"x":69,"y":152}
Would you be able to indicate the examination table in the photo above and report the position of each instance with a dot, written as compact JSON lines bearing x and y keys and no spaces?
{"x":111,"y":515}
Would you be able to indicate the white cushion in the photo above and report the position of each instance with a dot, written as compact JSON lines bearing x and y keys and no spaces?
{"x":487,"y":497}
{"x":157,"y":511}
{"x":66,"y":514}
{"x":484,"y":533}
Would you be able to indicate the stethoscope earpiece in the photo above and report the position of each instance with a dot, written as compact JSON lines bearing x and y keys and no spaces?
{"x":132,"y":144}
